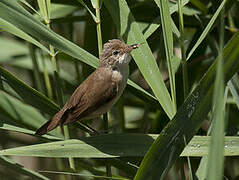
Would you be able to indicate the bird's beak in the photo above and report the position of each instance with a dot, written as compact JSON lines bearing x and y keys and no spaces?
{"x":134,"y":46}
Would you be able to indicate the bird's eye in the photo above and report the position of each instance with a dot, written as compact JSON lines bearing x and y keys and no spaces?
{"x":115,"y":53}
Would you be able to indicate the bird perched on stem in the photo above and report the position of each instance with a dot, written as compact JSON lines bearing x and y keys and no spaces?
{"x":99,"y":91}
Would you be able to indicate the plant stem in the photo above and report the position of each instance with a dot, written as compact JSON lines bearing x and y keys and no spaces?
{"x":168,"y":43}
{"x":99,"y":38}
{"x":98,"y":26}
{"x":59,"y":93}
{"x":183,"y":54}
{"x":36,"y":69}
{"x":46,"y":77}
{"x":67,"y":136}
{"x":120,"y":107}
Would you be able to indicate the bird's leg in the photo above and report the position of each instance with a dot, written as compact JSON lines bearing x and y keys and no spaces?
{"x":88,"y":129}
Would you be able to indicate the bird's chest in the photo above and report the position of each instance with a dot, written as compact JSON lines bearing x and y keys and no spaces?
{"x":120,"y":76}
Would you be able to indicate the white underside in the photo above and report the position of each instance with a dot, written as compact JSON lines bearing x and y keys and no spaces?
{"x":121,"y":73}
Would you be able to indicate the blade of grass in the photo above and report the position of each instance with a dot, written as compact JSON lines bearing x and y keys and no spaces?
{"x":189,"y":164}
{"x":9,"y":127}
{"x":116,"y":145}
{"x":200,"y":5}
{"x":97,"y":5}
{"x":86,"y":175}
{"x":183,"y":52}
{"x":234,"y":88}
{"x":36,"y":69}
{"x":6,"y":26}
{"x":61,"y":11}
{"x":216,"y":158}
{"x":207,"y":29}
{"x":15,"y":113}
{"x":168,"y":44}
{"x":28,"y":94}
{"x":44,"y":6}
{"x":131,"y":33}
{"x":87,"y":8}
{"x":156,"y":22}
{"x":21,"y":169}
{"x":169,"y":145}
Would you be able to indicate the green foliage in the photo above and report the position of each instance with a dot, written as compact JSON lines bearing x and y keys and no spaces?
{"x":183,"y":82}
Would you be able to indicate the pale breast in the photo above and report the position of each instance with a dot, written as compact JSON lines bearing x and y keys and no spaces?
{"x":120,"y":76}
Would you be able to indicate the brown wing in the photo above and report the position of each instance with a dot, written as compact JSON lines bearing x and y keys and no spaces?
{"x":95,"y":91}
{"x":90,"y":96}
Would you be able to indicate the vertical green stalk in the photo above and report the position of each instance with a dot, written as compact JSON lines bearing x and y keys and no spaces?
{"x":168,"y":43}
{"x":59,"y":94}
{"x":98,"y":26}
{"x":189,"y":163}
{"x":184,"y":67}
{"x":183,"y":54}
{"x":36,"y":70}
{"x":46,"y":77}
{"x":99,"y":38}
{"x":120,"y":107}
{"x":216,"y":151}
{"x":44,"y":6}
{"x":71,"y":29}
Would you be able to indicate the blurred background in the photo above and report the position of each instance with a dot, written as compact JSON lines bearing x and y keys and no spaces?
{"x":37,"y":77}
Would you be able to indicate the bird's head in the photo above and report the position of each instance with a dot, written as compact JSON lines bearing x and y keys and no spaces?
{"x":115,"y":52}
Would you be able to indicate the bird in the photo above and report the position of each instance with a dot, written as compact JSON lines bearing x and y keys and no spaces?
{"x":99,"y":91}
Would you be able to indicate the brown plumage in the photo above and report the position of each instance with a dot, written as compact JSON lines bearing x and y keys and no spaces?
{"x":99,"y":91}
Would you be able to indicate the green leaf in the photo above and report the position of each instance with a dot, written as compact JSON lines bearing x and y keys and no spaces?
{"x":10,"y":127}
{"x":207,"y":29}
{"x":11,"y":12}
{"x":169,"y":145}
{"x":14,"y":114}
{"x":8,"y":163}
{"x":156,"y":23}
{"x":28,"y":94}
{"x":29,"y":5}
{"x":18,"y":32}
{"x":23,"y":114}
{"x":233,"y":85}
{"x":60,"y":11}
{"x":17,"y":48}
{"x":131,"y":33}
{"x":168,"y":44}
{"x":44,"y":6}
{"x":115,"y":145}
{"x":215,"y":158}
{"x":88,"y":9}
{"x":200,"y":5}
{"x":86,"y":175}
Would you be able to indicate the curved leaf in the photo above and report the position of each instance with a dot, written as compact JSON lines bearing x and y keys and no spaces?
{"x":116,"y":145}
{"x":14,"y":115}
{"x":131,"y":32}
{"x":169,"y":145}
{"x":28,"y":94}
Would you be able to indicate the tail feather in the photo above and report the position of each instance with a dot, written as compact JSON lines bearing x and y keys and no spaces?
{"x":48,"y":126}
{"x":57,"y":119}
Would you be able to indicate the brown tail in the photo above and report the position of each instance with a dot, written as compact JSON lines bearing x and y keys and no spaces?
{"x":48,"y":126}
{"x":57,"y":119}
